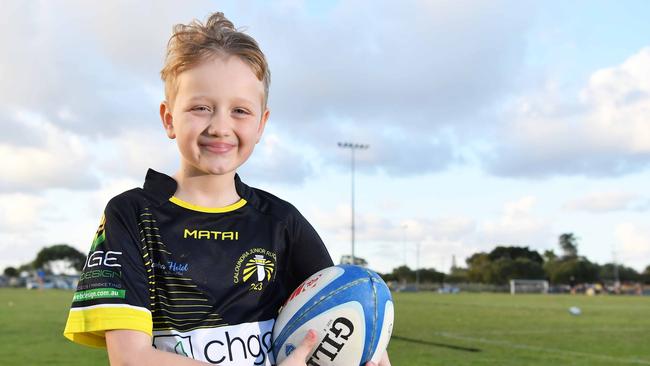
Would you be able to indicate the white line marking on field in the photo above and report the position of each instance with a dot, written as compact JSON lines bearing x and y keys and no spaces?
{"x":558,"y":331}
{"x":545,"y":349}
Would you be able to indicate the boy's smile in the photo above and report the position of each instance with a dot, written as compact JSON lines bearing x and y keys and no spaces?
{"x":216,"y":115}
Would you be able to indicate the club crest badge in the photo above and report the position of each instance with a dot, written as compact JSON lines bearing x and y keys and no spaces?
{"x":255,"y":268}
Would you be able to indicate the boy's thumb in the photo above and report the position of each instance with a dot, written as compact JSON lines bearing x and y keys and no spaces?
{"x":302,"y":352}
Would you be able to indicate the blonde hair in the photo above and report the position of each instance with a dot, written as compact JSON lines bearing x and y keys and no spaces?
{"x":193,"y":43}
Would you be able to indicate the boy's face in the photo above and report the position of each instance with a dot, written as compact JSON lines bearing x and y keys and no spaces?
{"x":217,"y":115}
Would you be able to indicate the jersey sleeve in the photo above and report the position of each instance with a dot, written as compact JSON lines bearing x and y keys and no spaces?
{"x":113,"y":291}
{"x":308,"y":253}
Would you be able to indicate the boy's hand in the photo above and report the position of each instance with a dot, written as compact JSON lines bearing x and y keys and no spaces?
{"x":299,"y":356}
{"x":384,"y":361}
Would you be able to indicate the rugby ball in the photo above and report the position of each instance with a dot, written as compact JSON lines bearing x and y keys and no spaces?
{"x":350,"y":308}
{"x":574,"y":310}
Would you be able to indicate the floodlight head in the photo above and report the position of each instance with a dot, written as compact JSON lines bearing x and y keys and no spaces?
{"x":353,"y":145}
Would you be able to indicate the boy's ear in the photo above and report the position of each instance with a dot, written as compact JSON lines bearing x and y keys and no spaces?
{"x":167,"y":119}
{"x":260,"y":128}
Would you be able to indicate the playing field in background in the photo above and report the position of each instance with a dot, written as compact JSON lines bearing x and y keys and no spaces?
{"x":430,"y":329}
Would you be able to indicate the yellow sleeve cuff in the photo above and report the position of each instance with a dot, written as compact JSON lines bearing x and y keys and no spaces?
{"x":87,"y":325}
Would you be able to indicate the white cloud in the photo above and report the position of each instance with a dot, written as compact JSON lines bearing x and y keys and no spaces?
{"x":387,"y":243}
{"x":517,"y":226}
{"x":48,"y":157}
{"x":634,"y":244}
{"x":340,"y":72}
{"x":605,"y":130}
{"x":19,"y":212}
{"x":24,"y":222}
{"x":96,"y":200}
{"x":373,"y":227}
{"x":31,"y":222}
{"x":408,"y":84}
{"x":607,"y":201}
{"x":276,"y":159}
{"x":132,"y":152}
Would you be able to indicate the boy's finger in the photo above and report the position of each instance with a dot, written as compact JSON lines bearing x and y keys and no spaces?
{"x":384,"y":361}
{"x":302,"y":352}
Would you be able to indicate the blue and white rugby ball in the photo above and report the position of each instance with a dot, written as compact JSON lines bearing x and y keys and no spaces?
{"x":351,"y":309}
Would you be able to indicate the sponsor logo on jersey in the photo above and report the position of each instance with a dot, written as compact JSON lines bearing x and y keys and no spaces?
{"x":255,"y":267}
{"x":241,"y":344}
{"x":178,"y":344}
{"x":98,"y":293}
{"x":100,"y":235}
{"x":172,"y":267}
{"x":209,"y":234}
{"x":99,"y":273}
{"x":103,"y":258}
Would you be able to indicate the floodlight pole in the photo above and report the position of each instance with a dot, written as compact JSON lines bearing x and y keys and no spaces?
{"x":352,"y":146}
{"x":404,"y":228}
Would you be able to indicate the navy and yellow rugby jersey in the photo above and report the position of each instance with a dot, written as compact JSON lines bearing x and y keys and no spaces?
{"x":203,"y":282}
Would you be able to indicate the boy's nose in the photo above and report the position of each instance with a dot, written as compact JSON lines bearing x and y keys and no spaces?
{"x":219,"y":125}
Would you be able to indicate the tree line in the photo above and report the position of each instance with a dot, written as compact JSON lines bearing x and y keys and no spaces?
{"x":52,"y":260}
{"x":497,"y":267}
{"x":504,"y":263}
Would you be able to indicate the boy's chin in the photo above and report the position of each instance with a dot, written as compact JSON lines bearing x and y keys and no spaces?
{"x":210,"y":167}
{"x":218,"y":170}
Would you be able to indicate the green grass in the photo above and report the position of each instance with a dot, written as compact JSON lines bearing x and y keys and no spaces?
{"x":32,"y":324}
{"x":430,"y":329}
{"x":500,"y":329}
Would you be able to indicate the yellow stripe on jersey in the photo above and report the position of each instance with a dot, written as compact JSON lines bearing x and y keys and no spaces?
{"x":193,"y":207}
{"x":86,"y":326}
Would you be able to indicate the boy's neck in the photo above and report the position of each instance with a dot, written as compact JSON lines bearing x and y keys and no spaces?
{"x":206,"y":190}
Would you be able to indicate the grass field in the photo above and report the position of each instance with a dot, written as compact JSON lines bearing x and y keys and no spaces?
{"x":430,"y":329}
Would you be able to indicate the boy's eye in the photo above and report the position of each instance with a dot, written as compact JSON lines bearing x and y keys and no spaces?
{"x":201,"y":108}
{"x":240,"y":111}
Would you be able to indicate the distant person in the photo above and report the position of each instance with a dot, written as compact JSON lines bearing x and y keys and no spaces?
{"x":572,"y":285}
{"x":40,"y":279}
{"x":199,"y":264}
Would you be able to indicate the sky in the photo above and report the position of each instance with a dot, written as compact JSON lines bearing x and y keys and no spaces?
{"x":489,"y":123}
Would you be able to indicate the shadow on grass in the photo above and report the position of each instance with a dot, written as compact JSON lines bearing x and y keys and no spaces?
{"x":436,"y":344}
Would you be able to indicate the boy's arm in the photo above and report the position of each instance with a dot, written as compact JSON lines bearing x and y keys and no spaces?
{"x":130,"y":347}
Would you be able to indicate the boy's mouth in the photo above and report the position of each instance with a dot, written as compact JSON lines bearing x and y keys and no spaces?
{"x":217,"y":147}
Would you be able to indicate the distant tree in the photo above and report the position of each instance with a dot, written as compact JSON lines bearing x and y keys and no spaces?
{"x":11,"y":272}
{"x":569,"y":245}
{"x":608,"y":271}
{"x":504,"y":269}
{"x":581,"y":269}
{"x":404,"y":274}
{"x":479,"y":268}
{"x":387,"y":277}
{"x":559,"y":270}
{"x":430,"y":275}
{"x":26,"y":267}
{"x":645,"y":276}
{"x":514,"y":253}
{"x":503,"y":264}
{"x":457,"y":275}
{"x":549,"y":256}
{"x":59,"y":258}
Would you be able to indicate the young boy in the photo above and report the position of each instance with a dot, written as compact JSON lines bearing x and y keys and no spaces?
{"x":195,"y":267}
